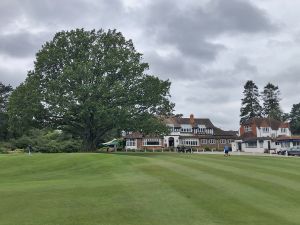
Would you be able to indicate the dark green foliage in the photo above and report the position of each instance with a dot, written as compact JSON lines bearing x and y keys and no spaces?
{"x":250,"y":103}
{"x":46,"y":141}
{"x":295,"y":119}
{"x":90,"y":84}
{"x":5,"y":92}
{"x":271,"y":102}
{"x":25,"y":109}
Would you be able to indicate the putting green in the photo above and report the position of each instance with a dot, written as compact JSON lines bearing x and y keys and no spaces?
{"x":148,"y":188}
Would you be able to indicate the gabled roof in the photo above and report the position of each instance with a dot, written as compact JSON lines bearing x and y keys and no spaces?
{"x":266,"y":122}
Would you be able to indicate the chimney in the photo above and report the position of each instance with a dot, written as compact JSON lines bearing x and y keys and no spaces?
{"x":192,"y":120}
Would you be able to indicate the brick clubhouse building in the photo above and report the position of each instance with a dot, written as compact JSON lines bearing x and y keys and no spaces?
{"x":198,"y":133}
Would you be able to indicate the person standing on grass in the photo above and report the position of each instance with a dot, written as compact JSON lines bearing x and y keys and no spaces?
{"x":29,"y":149}
{"x":226,"y":150}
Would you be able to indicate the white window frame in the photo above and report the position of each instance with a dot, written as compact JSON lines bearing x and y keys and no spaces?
{"x":265,"y":129}
{"x":146,"y":140}
{"x":212,"y":141}
{"x":248,"y":128}
{"x":252,"y":144}
{"x":189,"y":142}
{"x":130,"y":142}
{"x":204,"y":141}
{"x":222,"y":141}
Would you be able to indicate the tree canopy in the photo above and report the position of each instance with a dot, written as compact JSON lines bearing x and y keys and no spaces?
{"x":250,"y":103}
{"x":5,"y":91}
{"x":90,"y":83}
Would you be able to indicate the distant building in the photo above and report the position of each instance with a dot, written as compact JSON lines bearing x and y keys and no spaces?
{"x":262,"y":135}
{"x":193,"y":132}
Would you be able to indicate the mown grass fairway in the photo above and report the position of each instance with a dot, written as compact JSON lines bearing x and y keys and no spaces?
{"x":116,"y":189}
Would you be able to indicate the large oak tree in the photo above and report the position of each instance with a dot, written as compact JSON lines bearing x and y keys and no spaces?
{"x":93,"y":82}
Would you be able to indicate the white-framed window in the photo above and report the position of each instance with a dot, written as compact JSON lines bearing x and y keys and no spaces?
{"x":204,"y":141}
{"x":186,"y":130}
{"x":265,"y":129}
{"x":222,"y":141}
{"x":212,"y":141}
{"x":283,"y":130}
{"x":130,"y":142}
{"x":209,"y":131}
{"x":248,"y":128}
{"x":189,"y":142}
{"x":284,"y":144}
{"x":152,"y":142}
{"x":229,"y":141}
{"x":251,"y":144}
{"x":201,"y":130}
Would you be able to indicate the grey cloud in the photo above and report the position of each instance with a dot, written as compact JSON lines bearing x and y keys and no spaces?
{"x":172,"y":67}
{"x":56,"y":14}
{"x":240,"y":16}
{"x":14,"y":78}
{"x":190,"y":30}
{"x":22,"y":44}
{"x":243,"y":65}
{"x":208,"y":98}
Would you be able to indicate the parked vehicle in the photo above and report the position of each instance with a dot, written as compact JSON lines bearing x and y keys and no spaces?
{"x":294,"y":151}
{"x":184,"y":149}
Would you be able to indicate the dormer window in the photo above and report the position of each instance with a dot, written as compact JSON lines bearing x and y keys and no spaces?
{"x":283,"y":130}
{"x":186,"y":128}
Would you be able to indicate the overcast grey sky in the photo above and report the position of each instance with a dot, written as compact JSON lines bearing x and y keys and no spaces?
{"x":207,"y":48}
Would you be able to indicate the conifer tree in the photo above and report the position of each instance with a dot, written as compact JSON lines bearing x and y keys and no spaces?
{"x":250,"y":103}
{"x":295,"y":119}
{"x":271,"y":102}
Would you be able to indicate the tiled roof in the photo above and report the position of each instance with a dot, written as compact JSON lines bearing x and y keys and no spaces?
{"x":197,"y":121}
{"x":282,"y":138}
{"x":274,"y":124}
{"x":220,"y":132}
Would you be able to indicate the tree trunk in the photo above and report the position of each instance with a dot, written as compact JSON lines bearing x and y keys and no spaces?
{"x":89,"y":141}
{"x":90,"y":136}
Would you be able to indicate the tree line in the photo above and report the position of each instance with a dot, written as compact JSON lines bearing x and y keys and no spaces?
{"x":90,"y":85}
{"x":270,"y":107}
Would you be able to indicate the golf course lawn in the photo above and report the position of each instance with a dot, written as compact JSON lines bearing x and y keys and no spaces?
{"x":148,"y":188}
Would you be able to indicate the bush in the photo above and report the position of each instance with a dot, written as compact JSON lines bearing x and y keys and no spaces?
{"x":207,"y":149}
{"x":47,"y":141}
{"x":3,"y":150}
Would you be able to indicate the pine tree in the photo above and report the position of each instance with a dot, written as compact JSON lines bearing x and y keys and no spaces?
{"x":271,"y":102}
{"x":250,"y":103}
{"x":295,"y":119}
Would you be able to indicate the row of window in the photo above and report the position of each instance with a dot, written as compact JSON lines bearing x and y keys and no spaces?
{"x":190,"y":130}
{"x":264,"y":129}
{"x":188,"y":142}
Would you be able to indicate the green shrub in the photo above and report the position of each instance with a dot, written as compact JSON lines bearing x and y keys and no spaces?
{"x":3,"y":150}
{"x":47,"y":141}
{"x":207,"y":149}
